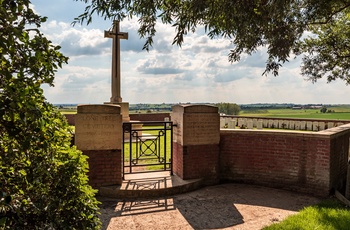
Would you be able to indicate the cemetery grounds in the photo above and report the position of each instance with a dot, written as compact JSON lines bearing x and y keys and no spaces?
{"x":317,"y":215}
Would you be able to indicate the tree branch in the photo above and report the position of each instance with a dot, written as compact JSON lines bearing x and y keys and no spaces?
{"x":330,"y":16}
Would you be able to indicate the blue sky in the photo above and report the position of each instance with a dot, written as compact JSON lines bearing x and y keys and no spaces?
{"x":198,"y":72}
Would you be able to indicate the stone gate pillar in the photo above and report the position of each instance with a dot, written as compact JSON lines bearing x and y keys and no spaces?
{"x":98,"y":134}
{"x":196,"y":142}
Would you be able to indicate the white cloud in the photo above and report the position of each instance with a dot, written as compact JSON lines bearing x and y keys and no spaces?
{"x":76,"y":41}
{"x":197,"y":72}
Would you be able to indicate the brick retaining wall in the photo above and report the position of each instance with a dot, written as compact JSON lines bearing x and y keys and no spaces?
{"x":310,"y":162}
{"x":105,"y":167}
{"x":307,"y":162}
{"x":198,"y":162}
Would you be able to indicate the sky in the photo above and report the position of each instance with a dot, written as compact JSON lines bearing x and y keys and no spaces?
{"x":198,"y":72}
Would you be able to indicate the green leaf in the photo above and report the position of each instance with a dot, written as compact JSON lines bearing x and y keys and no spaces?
{"x":2,"y":221}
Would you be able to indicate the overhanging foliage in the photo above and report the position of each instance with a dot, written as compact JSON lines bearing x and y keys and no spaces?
{"x":278,"y":25}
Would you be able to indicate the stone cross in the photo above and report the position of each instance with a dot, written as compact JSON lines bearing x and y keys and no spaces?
{"x":116,"y":35}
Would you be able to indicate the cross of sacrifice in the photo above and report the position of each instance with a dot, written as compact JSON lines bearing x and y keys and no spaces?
{"x":116,"y":35}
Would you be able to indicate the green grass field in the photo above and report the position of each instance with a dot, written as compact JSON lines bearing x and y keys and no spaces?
{"x":148,"y":151}
{"x":340,"y":113}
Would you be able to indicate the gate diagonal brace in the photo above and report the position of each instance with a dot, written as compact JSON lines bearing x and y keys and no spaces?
{"x":147,"y":152}
{"x":150,"y":142}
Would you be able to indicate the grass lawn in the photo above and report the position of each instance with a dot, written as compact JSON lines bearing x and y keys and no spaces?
{"x":328,"y":215}
{"x":340,"y":113}
{"x":161,"y":148}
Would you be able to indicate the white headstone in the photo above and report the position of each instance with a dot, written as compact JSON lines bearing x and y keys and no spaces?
{"x":250,"y":124}
{"x":244,"y":123}
{"x":291,"y":125}
{"x":340,"y":124}
{"x":236,"y":121}
{"x":240,"y":122}
{"x":286,"y":124}
{"x":330,"y":125}
{"x":265,"y":123}
{"x":321,"y":125}
{"x":309,"y":125}
{"x":275,"y":124}
{"x":255,"y":122}
{"x":222,"y":122}
{"x":232,"y":124}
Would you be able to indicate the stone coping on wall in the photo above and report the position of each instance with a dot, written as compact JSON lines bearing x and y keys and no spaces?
{"x":335,"y":131}
{"x":331,"y":133}
{"x":194,"y":108}
{"x":287,"y":118}
{"x":98,"y":109}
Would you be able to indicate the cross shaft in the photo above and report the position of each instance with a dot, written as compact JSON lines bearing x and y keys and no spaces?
{"x":116,"y":35}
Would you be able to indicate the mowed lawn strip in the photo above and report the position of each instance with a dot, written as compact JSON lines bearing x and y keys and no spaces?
{"x":330,"y":214}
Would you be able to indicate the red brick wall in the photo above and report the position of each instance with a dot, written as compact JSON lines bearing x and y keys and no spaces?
{"x":339,"y":159}
{"x":197,"y":161}
{"x":105,"y":167}
{"x":149,"y":116}
{"x":306,"y":162}
{"x":70,"y":119}
{"x":178,"y":166}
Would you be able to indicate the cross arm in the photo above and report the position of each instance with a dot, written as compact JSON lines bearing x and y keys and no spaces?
{"x":121,"y":35}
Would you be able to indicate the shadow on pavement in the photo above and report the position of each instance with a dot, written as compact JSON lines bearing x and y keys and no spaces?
{"x":214,"y":207}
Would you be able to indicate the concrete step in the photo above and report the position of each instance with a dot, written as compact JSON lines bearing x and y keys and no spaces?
{"x":148,"y":185}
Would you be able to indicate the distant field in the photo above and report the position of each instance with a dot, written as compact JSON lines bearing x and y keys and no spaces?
{"x":340,"y":113}
{"x":68,"y":111}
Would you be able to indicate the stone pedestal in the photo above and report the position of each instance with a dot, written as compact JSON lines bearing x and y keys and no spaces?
{"x":196,"y":142}
{"x":124,"y":109}
{"x":98,"y":134}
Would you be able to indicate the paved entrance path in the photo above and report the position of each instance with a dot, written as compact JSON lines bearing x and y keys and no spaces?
{"x":226,"y":206}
